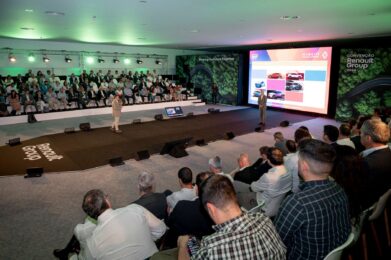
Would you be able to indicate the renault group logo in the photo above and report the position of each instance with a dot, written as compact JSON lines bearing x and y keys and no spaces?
{"x":325,"y":55}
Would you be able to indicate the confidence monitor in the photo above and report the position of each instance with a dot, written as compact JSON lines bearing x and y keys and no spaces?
{"x":174,"y":111}
{"x":176,"y":148}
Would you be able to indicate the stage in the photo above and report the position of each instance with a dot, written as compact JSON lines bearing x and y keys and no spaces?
{"x":88,"y":149}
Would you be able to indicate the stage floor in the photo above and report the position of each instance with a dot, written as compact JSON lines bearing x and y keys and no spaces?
{"x":83,"y":150}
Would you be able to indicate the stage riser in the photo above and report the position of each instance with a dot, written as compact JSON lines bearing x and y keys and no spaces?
{"x":96,"y":111}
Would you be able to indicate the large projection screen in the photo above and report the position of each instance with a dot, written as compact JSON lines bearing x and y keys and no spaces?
{"x":297,"y":79}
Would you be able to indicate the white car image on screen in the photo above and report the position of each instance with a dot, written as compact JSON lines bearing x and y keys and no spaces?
{"x":294,"y":76}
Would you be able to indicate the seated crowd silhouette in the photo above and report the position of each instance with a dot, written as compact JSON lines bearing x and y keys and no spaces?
{"x":48,"y":92}
{"x":300,"y":200}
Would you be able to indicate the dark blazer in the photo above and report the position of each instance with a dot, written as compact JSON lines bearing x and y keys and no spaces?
{"x":247,"y":175}
{"x":154,"y":202}
{"x":378,"y":165}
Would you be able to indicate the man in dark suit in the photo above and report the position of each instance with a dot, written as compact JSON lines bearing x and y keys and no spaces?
{"x":246,"y":173}
{"x":262,"y":99}
{"x":377,"y":157}
{"x":153,"y":201}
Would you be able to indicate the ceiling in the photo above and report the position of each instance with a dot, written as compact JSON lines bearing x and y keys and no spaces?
{"x":194,"y":24}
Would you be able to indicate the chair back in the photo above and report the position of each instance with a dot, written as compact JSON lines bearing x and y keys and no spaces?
{"x":257,"y":208}
{"x":356,"y":229}
{"x":337,"y":252}
{"x":380,"y":205}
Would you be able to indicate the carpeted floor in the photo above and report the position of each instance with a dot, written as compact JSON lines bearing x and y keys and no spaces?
{"x":84,"y":150}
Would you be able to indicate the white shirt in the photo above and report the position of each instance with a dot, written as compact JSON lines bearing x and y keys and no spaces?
{"x":346,"y":141}
{"x":83,"y":232}
{"x":226,"y":175}
{"x":291,"y":163}
{"x":183,"y":194}
{"x":271,"y":189}
{"x":125,"y":233}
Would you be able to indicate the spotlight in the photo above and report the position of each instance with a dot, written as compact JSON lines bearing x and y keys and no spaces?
{"x":11,"y":58}
{"x":127,"y":61}
{"x":158,"y":62}
{"x":31,"y":57}
{"x":115,"y":60}
{"x":90,"y":60}
{"x":68,"y":60}
{"x":100,"y":60}
{"x":45,"y":59}
{"x":139,"y":61}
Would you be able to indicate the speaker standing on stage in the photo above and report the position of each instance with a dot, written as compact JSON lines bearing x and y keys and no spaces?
{"x":262,"y":99}
{"x":117,"y":106}
{"x":215,"y":92}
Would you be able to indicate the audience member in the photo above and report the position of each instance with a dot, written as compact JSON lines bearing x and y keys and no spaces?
{"x":314,"y":220}
{"x":344,"y":135}
{"x":280,"y":142}
{"x":13,"y":100}
{"x":291,"y":162}
{"x":215,"y":166}
{"x":153,"y":201}
{"x":330,"y":135}
{"x":238,"y":235}
{"x":350,"y":174}
{"x":189,"y":217}
{"x":262,"y":165}
{"x":272,"y":187}
{"x":355,"y":136}
{"x":246,"y":173}
{"x":377,"y":157}
{"x":187,"y":192}
{"x":126,"y":233}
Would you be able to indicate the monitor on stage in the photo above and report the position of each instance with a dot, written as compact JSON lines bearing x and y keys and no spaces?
{"x":174,"y":111}
{"x":296,"y":79}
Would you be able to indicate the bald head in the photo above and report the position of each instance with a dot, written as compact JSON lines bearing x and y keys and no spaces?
{"x":244,"y":160}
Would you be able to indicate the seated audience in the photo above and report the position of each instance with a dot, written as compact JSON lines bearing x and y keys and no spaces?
{"x":215,"y":166}
{"x":314,"y":220}
{"x":330,"y":135}
{"x":13,"y":100}
{"x":153,"y":201}
{"x":355,"y":136}
{"x":291,"y":161}
{"x":238,"y":235}
{"x":377,"y":157}
{"x":187,"y":192}
{"x":280,"y":142}
{"x":272,"y":187}
{"x":262,"y":165}
{"x":189,"y":218}
{"x":246,"y":173}
{"x":28,"y":100}
{"x":350,"y":174}
{"x":344,"y":135}
{"x":124,"y":233}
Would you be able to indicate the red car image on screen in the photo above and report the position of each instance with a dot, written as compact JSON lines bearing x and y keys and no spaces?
{"x":275,"y":76}
{"x":291,"y":85}
{"x":295,"y":76}
{"x":275,"y":94}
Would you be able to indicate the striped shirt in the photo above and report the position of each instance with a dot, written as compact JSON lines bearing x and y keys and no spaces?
{"x":314,"y":221}
{"x":249,"y":236}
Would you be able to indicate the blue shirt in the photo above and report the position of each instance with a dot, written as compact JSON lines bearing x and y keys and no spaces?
{"x":314,"y":221}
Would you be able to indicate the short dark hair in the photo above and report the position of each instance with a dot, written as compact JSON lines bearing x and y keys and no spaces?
{"x":219,"y":191}
{"x":331,"y":131}
{"x":185,"y":175}
{"x":201,"y":177}
{"x":95,"y":203}
{"x":291,"y":146}
{"x":345,"y":129}
{"x":275,"y":156}
{"x":263,"y":149}
{"x":319,"y":156}
{"x":301,"y":134}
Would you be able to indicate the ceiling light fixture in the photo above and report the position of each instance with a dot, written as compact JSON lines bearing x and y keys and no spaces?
{"x":100,"y":60}
{"x":115,"y":60}
{"x":54,"y":13}
{"x":11,"y":58}
{"x":31,"y":57}
{"x":67,"y":59}
{"x":127,"y":61}
{"x":29,"y":10}
{"x":90,"y":60}
{"x":45,"y":59}
{"x":158,"y":62}
{"x":139,"y":61}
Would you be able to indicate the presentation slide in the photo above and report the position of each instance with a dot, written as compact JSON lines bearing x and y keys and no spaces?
{"x":297,"y":79}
